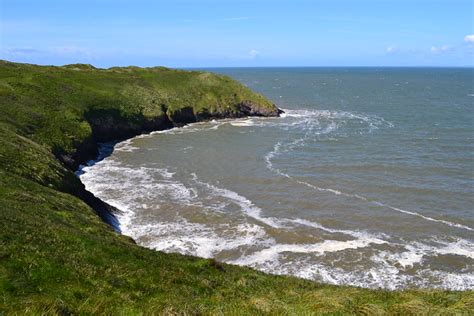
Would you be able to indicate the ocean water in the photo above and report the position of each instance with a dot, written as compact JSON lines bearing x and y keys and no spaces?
{"x":366,"y":180}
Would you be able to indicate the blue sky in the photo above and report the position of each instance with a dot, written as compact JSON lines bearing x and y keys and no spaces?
{"x":211,"y":33}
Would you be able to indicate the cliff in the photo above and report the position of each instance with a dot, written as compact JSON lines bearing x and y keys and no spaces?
{"x":68,"y":110}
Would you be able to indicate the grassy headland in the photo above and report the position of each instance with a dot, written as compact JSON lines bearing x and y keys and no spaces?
{"x":58,"y":256}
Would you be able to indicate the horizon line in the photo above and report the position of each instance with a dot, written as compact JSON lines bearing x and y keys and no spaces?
{"x":221,"y":67}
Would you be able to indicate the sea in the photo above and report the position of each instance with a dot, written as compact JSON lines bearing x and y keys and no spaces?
{"x":367,"y":179}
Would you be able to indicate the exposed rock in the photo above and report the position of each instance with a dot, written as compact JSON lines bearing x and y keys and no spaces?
{"x":252,"y":109}
{"x":183,"y":116}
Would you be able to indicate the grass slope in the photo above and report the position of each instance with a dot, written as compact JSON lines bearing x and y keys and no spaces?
{"x":57,"y":256}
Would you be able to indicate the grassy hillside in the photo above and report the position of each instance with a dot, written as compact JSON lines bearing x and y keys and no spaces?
{"x":61,"y":107}
{"x":57,"y":256}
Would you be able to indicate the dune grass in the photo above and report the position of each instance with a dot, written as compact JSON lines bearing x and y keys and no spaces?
{"x":58,"y":257}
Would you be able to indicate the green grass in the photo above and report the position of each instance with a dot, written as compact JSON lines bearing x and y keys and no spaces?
{"x":59,"y":106}
{"x":58,"y":257}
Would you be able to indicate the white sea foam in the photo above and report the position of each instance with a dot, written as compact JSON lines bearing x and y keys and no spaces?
{"x":199,"y":239}
{"x":267,"y":259}
{"x":243,"y":123}
{"x":125,"y":187}
{"x":277,"y":150}
{"x":460,"y":247}
{"x":126,"y":146}
{"x":192,"y":128}
{"x":452,"y":224}
{"x":362,"y":198}
{"x":414,"y":252}
{"x":245,"y":204}
{"x":381,"y":274}
{"x":272,"y":253}
{"x":317,"y":123}
{"x":376,"y":237}
{"x":337,"y":118}
{"x":389,"y":269}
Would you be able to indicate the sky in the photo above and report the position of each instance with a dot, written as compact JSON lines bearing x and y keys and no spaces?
{"x":231,"y":33}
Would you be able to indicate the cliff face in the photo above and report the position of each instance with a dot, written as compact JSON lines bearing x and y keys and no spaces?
{"x":110,"y":126}
{"x":107,"y":126}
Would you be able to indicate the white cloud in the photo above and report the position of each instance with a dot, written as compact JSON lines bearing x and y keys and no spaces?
{"x":469,"y":38}
{"x":191,"y":20}
{"x":239,"y":18}
{"x":21,"y":51}
{"x":254,"y":53}
{"x":71,"y":51}
{"x":441,"y":49}
{"x":391,"y":50}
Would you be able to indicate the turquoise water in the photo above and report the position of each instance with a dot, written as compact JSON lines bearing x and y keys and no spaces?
{"x":367,"y":179}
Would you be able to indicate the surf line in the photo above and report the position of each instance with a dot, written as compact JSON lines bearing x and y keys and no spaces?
{"x":269,"y":164}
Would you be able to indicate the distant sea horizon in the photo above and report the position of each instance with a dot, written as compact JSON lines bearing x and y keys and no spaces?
{"x":210,"y":68}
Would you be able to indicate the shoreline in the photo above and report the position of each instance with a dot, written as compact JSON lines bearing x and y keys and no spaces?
{"x":107,"y":211}
{"x":107,"y":150}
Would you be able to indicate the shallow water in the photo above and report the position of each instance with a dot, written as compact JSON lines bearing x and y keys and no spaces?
{"x":367,"y":179}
